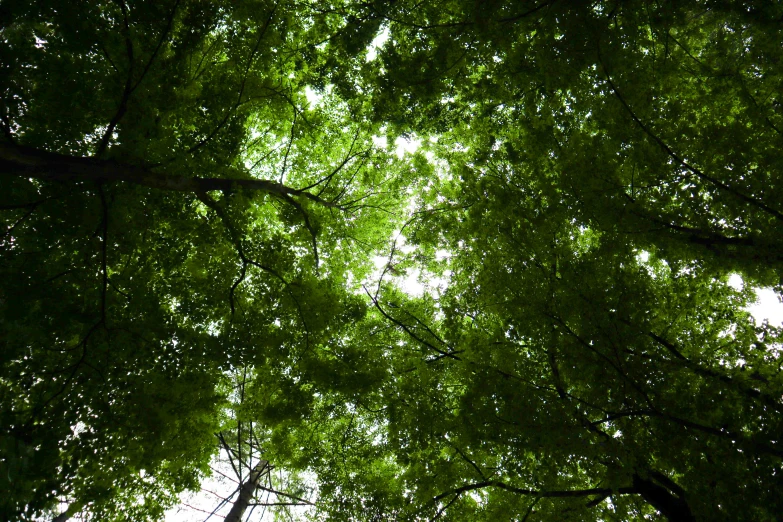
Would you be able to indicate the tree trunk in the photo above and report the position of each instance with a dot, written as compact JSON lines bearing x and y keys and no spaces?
{"x":246,"y":492}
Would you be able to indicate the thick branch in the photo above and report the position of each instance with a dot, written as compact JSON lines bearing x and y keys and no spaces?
{"x":707,"y":372}
{"x":674,"y":507}
{"x":33,"y":163}
{"x":572,"y":493}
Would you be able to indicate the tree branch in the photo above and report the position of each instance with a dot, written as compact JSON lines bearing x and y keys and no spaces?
{"x":162,"y":38}
{"x":675,"y":508}
{"x":242,"y":85}
{"x":34,"y":163}
{"x":307,"y":224}
{"x":407,"y":330}
{"x":230,"y":458}
{"x":126,"y":93}
{"x":526,"y":13}
{"x":744,"y":197}
{"x":286,"y":495}
{"x":574,"y":493}
{"x":104,"y":248}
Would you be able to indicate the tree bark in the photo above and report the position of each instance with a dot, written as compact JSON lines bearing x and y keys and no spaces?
{"x":29,"y":162}
{"x":669,"y":499}
{"x":246,"y":492}
{"x":673,"y":507}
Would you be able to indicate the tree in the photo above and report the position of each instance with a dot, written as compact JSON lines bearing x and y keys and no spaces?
{"x":245,"y":480}
{"x":603,"y":171}
{"x":564,"y":369}
{"x":667,"y":118}
{"x":589,"y":180}
{"x":163,"y":223}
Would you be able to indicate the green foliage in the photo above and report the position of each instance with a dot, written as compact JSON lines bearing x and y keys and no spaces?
{"x":180,"y":211}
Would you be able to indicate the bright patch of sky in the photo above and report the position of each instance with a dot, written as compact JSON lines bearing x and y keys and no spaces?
{"x":314,"y":98}
{"x":477,"y":497}
{"x":380,"y":141}
{"x":404,"y":145}
{"x":440,"y":255}
{"x":408,"y":280}
{"x":377,"y":43}
{"x":767,"y":305}
{"x":401,"y":145}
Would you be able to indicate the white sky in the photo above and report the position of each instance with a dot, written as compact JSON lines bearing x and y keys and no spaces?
{"x":767,"y":305}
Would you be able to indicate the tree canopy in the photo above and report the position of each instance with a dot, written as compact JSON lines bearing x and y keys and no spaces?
{"x":207,"y":233}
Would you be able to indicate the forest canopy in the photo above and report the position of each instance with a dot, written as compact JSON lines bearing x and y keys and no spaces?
{"x":209,"y":232}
